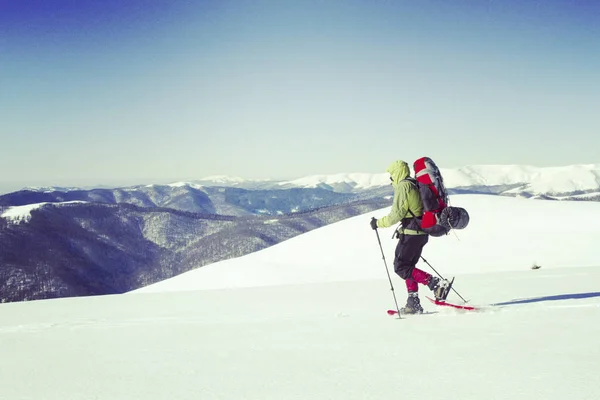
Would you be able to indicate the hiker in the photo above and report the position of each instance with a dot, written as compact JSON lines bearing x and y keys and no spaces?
{"x":407,"y":207}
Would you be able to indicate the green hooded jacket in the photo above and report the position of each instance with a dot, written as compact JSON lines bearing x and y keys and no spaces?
{"x":406,"y":196}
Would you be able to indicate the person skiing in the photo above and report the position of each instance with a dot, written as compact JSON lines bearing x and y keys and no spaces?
{"x":407,"y":207}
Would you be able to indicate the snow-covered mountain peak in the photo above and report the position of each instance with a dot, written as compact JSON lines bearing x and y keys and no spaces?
{"x":50,"y":189}
{"x":534,"y":180}
{"x":183,"y":184}
{"x":488,"y":175}
{"x":356,"y":181}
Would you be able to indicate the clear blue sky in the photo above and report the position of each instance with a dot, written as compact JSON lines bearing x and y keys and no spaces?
{"x":108,"y":91}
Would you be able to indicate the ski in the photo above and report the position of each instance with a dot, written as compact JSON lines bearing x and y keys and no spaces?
{"x":395,"y":312}
{"x":446,"y":304}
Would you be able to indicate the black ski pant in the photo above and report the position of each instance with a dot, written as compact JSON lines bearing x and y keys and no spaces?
{"x":408,"y":252}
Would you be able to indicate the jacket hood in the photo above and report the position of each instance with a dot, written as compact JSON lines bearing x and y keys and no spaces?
{"x":398,"y":170}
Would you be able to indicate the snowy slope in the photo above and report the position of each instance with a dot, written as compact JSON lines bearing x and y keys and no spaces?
{"x":320,"y":331}
{"x":504,"y":234}
{"x":20,"y":214}
{"x":317,"y":341}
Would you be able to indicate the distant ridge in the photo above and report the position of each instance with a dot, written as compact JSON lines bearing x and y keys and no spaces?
{"x":529,"y":181}
{"x":574,"y":182}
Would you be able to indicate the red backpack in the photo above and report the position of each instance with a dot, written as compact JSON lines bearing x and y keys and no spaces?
{"x":438,"y":218}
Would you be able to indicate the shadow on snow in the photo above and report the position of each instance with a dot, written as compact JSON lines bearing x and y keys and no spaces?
{"x":550,"y":298}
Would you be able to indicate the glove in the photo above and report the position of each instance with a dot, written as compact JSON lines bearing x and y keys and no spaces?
{"x":373,"y":223}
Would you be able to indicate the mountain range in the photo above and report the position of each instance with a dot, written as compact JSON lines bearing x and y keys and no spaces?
{"x":572,"y":182}
{"x":59,"y":242}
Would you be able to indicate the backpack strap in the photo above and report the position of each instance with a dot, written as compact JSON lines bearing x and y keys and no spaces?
{"x":411,"y":180}
{"x":415,"y":186}
{"x":412,"y":222}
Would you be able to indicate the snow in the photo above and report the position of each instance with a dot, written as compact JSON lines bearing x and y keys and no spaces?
{"x":50,"y":189}
{"x":357,"y":181}
{"x":186,"y":184}
{"x":538,"y":180}
{"x":488,"y":175}
{"x":306,"y":319}
{"x":564,"y":181}
{"x":18,"y":214}
{"x":586,"y":196}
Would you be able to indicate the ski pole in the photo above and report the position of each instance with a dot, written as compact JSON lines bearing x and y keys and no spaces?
{"x":434,"y":270}
{"x":388,"y":274}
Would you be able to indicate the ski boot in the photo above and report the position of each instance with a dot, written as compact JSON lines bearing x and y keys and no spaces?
{"x":413,"y":304}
